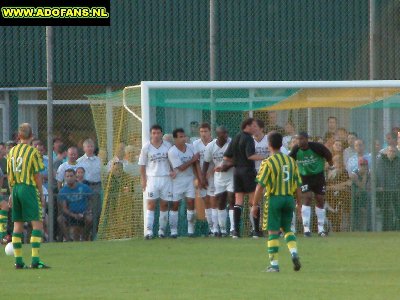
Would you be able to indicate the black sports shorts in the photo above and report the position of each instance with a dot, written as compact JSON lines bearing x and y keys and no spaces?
{"x":244,"y":180}
{"x":314,"y":183}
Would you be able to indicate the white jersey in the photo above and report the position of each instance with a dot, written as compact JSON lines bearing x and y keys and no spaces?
{"x":261,"y":149}
{"x":178,"y":158}
{"x":199,"y":147}
{"x":155,"y":159}
{"x":215,"y":154}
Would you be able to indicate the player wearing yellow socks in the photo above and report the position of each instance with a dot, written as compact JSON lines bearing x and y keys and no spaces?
{"x":279,"y":175}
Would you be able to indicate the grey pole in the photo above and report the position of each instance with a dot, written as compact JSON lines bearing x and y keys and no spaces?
{"x":372,"y":128}
{"x":213,"y":59}
{"x":49,"y":59}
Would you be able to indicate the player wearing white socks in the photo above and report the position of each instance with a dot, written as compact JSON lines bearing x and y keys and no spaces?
{"x":223,"y":178}
{"x":155,"y":179}
{"x":311,"y":159}
{"x":207,"y":194}
{"x":185,"y":163}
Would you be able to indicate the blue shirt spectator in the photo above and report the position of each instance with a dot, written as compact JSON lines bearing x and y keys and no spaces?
{"x":76,"y":197}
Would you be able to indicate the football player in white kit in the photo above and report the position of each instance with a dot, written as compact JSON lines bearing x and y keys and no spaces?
{"x":155,"y":173}
{"x":185,"y":163}
{"x":223,"y":179}
{"x":207,"y":194}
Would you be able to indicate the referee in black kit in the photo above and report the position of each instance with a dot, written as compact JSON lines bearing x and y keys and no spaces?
{"x":242,"y":154}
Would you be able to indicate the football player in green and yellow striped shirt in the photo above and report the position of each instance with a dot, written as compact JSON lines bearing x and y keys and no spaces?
{"x":24,"y":164}
{"x":280,"y":177}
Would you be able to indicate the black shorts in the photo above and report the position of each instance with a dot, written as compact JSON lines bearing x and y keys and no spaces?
{"x":314,"y":183}
{"x":71,"y":221}
{"x":244,"y":180}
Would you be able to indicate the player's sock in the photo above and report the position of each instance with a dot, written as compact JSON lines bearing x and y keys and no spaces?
{"x":3,"y":223}
{"x":190,"y":219}
{"x":17,"y":244}
{"x":290,"y":239}
{"x":150,"y":221}
{"x":320,"y":212}
{"x":215,"y":220}
{"x":36,"y":239}
{"x":257,"y":220}
{"x":273,"y":249}
{"x":236,"y":216}
{"x":306,"y":215}
{"x":232,"y":219}
{"x":293,"y":225}
{"x":173,"y":221}
{"x":222,"y":220}
{"x":163,"y":220}
{"x":209,"y":218}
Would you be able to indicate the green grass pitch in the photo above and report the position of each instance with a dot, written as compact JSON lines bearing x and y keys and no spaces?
{"x":343,"y":266}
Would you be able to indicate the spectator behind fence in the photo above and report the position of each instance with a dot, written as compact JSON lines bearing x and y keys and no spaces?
{"x":273,"y":123}
{"x":57,"y":146}
{"x":92,"y":166}
{"x":388,"y":196}
{"x":341,"y":135}
{"x":338,"y":195}
{"x":290,"y":133}
{"x":391,"y":141}
{"x":352,"y":162}
{"x":80,"y":175}
{"x":119,"y":157}
{"x":71,"y":163}
{"x":76,"y":218}
{"x":337,"y":148}
{"x":360,"y":207}
{"x":131,"y":156}
{"x":332,"y":127}
{"x":349,"y":151}
{"x":329,"y":140}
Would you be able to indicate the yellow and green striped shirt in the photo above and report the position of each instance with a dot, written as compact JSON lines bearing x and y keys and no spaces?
{"x":279,"y":174}
{"x":23,"y":162}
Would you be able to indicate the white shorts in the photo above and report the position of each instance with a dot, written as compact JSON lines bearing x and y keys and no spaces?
{"x":210,"y":191}
{"x":183,"y":188}
{"x":223,"y":186}
{"x":159,"y":187}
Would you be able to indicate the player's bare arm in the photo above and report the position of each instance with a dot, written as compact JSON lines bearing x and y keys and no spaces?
{"x":143,"y":177}
{"x":206,"y":165}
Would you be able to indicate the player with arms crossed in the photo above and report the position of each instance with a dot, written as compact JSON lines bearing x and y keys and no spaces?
{"x":155,"y":178}
{"x":24,"y":165}
{"x":207,"y":194}
{"x":280,"y":177}
{"x":185,"y":163}
{"x":223,"y":177}
{"x":311,"y":158}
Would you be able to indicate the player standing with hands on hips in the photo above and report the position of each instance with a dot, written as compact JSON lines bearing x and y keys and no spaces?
{"x":24,"y":165}
{"x":311,"y":158}
{"x":280,"y":177}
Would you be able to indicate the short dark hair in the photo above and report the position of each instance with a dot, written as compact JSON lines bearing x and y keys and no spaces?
{"x":57,"y":139}
{"x":275,"y":140}
{"x":246,"y":123}
{"x":155,"y":127}
{"x":331,"y":117}
{"x":81,"y":168}
{"x":353,"y":133}
{"x":205,"y":125}
{"x":176,"y":131}
{"x":260,"y":123}
{"x":392,"y":134}
{"x":70,"y":171}
{"x":342,"y":129}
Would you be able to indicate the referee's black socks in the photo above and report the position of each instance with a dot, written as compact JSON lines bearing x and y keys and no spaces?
{"x":237,"y":214}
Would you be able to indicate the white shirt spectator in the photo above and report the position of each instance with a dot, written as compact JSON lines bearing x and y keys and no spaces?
{"x":352,"y":163}
{"x":92,"y":166}
{"x":155,"y":159}
{"x":63,"y":167}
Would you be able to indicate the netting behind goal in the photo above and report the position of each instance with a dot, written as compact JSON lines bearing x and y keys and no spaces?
{"x":361,"y":194}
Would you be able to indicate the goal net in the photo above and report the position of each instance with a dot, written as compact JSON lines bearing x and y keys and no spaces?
{"x":357,"y":120}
